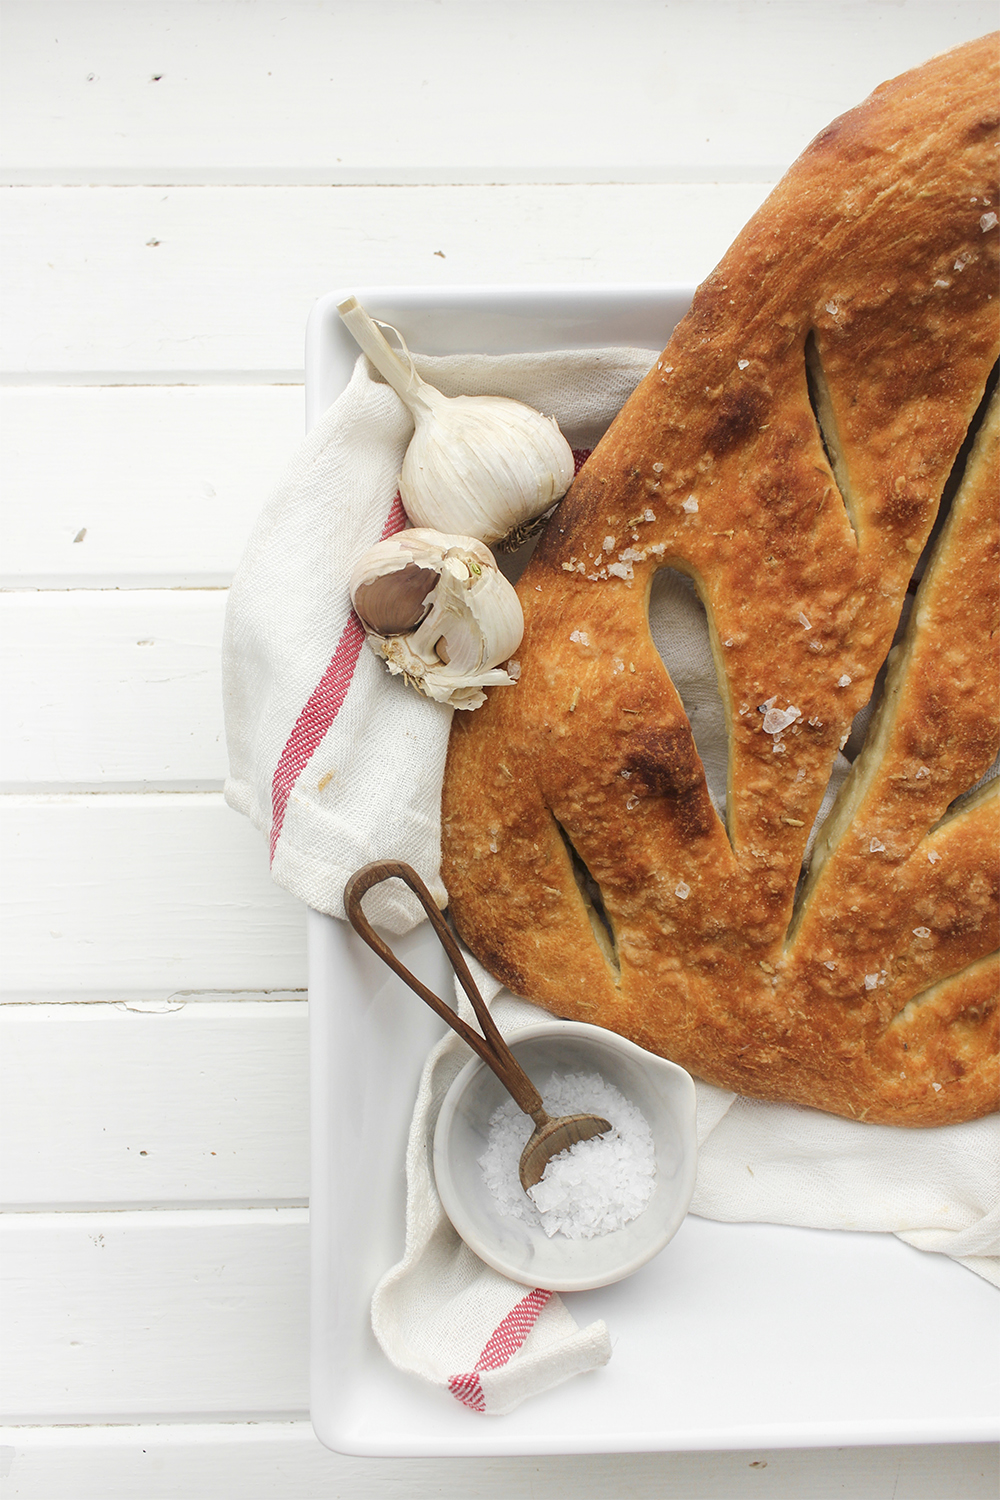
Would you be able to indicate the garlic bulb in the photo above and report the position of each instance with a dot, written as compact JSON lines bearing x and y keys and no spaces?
{"x":484,"y":466}
{"x":438,"y":611}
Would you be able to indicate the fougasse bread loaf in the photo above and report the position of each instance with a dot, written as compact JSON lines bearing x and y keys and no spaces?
{"x":827,"y":395}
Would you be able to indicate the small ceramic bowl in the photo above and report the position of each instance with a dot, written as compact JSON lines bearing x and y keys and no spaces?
{"x":663,"y":1093}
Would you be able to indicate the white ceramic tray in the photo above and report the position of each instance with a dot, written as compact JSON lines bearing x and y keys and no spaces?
{"x":737,"y":1335}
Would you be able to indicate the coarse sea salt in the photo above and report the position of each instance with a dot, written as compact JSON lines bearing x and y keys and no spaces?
{"x":596,"y":1186}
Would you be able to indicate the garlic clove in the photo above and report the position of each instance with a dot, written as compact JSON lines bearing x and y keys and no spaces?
{"x":482,"y":466}
{"x":393,"y":603}
{"x":466,"y":624}
{"x":476,"y":617}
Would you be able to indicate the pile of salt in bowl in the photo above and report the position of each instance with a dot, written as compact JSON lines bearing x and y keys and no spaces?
{"x":592,"y":1188}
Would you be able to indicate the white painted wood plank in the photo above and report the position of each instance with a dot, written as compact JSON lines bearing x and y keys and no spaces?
{"x":112,"y":691}
{"x":141,"y":897}
{"x":109,"y":1106}
{"x":271,"y":1459}
{"x":198,"y":1313}
{"x":402,"y":89}
{"x":166,"y":1314}
{"x":160,"y":484}
{"x":189,"y":281}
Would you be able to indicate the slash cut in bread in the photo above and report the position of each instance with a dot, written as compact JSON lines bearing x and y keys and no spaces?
{"x":789,"y":452}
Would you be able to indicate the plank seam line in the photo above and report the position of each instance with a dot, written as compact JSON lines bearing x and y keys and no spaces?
{"x":115,"y":588}
{"x":167,"y":379}
{"x":206,"y":1206}
{"x":698,"y":174}
{"x":151,"y":790}
{"x":289,"y":1216}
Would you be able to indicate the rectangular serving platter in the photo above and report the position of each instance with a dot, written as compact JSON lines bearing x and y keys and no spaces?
{"x":738,"y":1335}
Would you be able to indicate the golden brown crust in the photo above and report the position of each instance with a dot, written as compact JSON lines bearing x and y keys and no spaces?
{"x":865,"y":288}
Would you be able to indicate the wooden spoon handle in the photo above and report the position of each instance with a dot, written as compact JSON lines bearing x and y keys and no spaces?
{"x":491,"y":1046}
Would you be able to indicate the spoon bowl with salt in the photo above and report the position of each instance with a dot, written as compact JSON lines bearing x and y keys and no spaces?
{"x":551,"y":1136}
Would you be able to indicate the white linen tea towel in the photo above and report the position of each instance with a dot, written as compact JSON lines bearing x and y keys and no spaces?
{"x":338,"y":763}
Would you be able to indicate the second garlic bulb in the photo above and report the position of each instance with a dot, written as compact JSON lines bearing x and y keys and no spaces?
{"x":438,"y":612}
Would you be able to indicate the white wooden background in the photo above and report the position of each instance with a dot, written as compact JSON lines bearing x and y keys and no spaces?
{"x":181,"y":179}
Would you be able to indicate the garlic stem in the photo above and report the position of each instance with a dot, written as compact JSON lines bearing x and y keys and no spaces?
{"x":369,"y":336}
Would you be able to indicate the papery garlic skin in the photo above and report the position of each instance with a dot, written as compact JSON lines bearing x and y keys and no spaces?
{"x":483,"y":466}
{"x":473,"y":618}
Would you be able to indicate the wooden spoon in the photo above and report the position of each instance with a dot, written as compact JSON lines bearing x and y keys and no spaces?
{"x":550,"y":1136}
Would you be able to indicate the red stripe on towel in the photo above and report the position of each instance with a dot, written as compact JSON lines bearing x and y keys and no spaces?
{"x":509,"y":1335}
{"x":502,"y":1345}
{"x":324,"y":703}
{"x":467,"y":1389}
